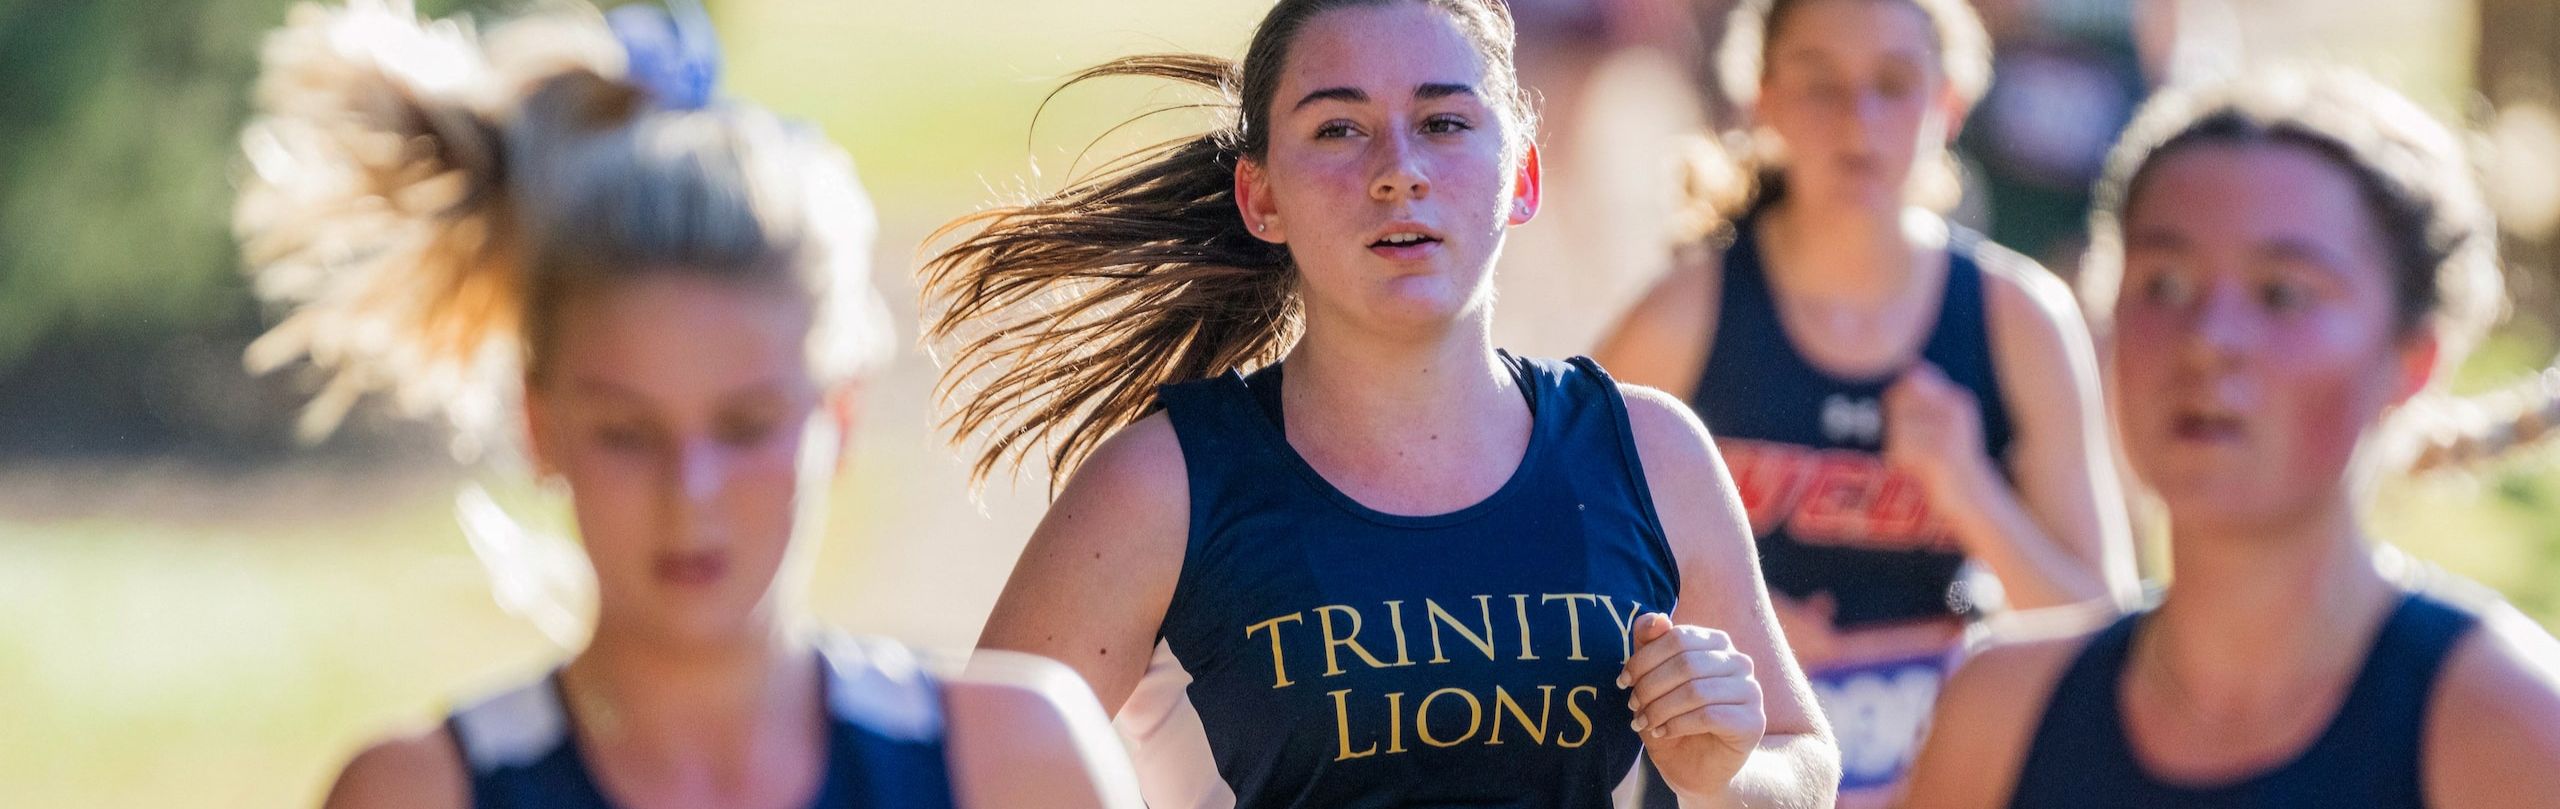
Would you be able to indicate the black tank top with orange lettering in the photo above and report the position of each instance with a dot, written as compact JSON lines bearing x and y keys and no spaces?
{"x":1843,"y":534}
{"x":1807,"y":448}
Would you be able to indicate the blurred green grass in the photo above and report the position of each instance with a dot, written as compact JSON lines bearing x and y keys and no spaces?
{"x":166,"y":665}
{"x":214,"y":638}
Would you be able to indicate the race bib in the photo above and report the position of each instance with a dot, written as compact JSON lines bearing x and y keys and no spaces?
{"x":1878,"y":690}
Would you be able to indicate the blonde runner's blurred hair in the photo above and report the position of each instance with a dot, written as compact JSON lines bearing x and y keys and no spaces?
{"x":420,"y":199}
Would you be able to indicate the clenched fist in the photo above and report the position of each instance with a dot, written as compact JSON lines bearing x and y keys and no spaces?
{"x":1696,"y":703}
{"x":1932,"y":427}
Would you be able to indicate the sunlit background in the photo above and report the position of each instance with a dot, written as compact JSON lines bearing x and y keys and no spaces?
{"x":195,"y":610}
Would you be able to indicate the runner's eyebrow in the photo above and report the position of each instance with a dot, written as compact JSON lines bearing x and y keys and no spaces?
{"x":1353,"y":95}
{"x":1438,"y":90}
{"x":1348,"y":95}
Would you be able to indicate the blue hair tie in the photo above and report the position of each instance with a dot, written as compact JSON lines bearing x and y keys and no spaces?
{"x":672,"y":51}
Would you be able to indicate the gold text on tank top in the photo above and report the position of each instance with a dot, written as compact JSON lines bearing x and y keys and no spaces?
{"x":1432,"y":632}
{"x":1834,"y":497}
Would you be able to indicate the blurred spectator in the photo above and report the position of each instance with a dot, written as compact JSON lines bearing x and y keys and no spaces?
{"x":2067,"y":75}
{"x":1619,"y":83}
{"x":2518,"y":76}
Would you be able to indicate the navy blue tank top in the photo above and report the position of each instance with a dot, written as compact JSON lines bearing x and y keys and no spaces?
{"x":2368,"y":756}
{"x":1334,"y":655}
{"x":884,"y":739}
{"x":1806,"y":448}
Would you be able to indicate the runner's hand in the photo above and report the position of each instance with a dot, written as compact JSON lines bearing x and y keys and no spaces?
{"x":1932,"y":427}
{"x":1697,"y":705}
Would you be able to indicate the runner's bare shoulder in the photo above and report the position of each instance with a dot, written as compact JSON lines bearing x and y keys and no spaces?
{"x":2493,"y":722}
{"x":1663,"y":339}
{"x":418,"y":770}
{"x":1987,"y":713}
{"x":1026,"y":731}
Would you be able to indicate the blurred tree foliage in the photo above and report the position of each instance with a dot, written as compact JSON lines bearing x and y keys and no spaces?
{"x":122,"y":308}
{"x":2518,"y":76}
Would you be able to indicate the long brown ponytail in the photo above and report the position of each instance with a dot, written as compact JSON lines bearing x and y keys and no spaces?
{"x":1063,"y":314}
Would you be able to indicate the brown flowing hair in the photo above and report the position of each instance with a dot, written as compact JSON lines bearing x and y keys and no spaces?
{"x":1063,"y":314}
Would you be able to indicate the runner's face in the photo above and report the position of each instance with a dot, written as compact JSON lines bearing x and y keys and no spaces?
{"x":2254,"y":343}
{"x":676,"y":410}
{"x":1390,"y":173}
{"x":1855,"y":92}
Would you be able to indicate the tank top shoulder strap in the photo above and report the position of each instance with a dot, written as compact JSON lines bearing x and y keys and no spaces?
{"x":1746,"y":315}
{"x":511,"y":729}
{"x":1741,"y":259}
{"x":1589,"y":403}
{"x":880,"y":687}
{"x":2383,"y":717}
{"x":2080,"y":723}
{"x":1963,"y":325}
{"x":1220,"y":425}
{"x":885,"y":739}
{"x":2416,"y":641}
{"x":1960,"y":343}
{"x":517,"y":750}
{"x":1199,"y":408}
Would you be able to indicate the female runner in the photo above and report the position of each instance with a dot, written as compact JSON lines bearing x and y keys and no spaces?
{"x":1317,"y":542}
{"x":1897,"y":397}
{"x":2283,"y":260}
{"x":675,"y":288}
